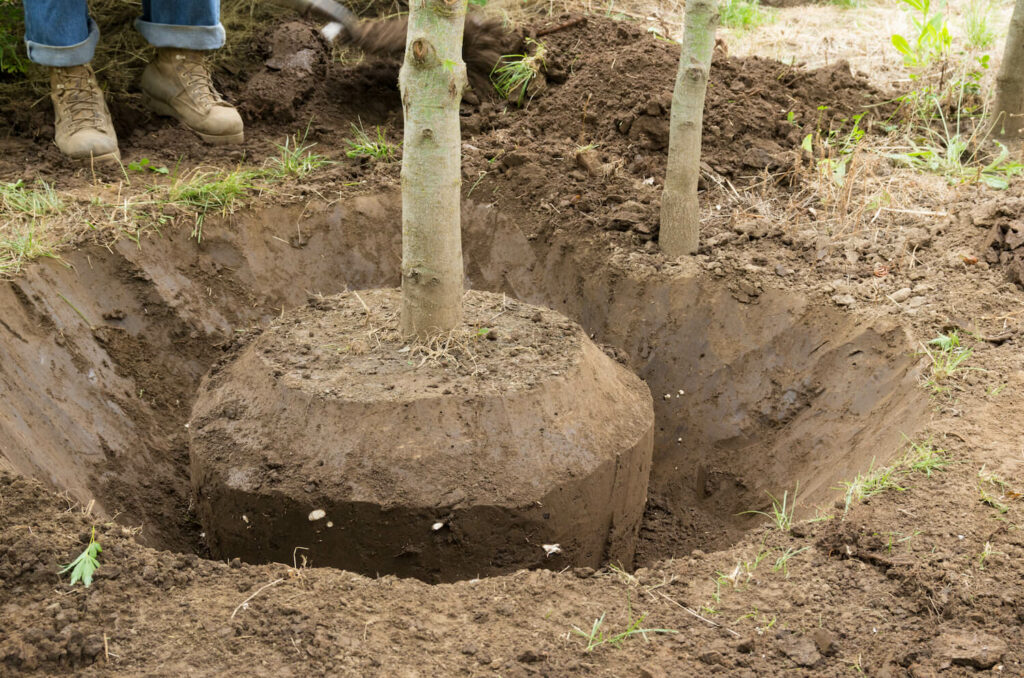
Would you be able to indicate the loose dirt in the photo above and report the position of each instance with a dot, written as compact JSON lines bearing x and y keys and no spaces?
{"x":787,"y":351}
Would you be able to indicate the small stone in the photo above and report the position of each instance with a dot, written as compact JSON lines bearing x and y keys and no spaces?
{"x":917,"y":302}
{"x":824,"y":641}
{"x":746,"y":646}
{"x":844,"y":299}
{"x":900,"y":295}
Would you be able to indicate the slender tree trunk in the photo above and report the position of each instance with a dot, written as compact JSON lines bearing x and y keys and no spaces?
{"x":432,"y":79}
{"x":680,"y":211}
{"x":1009,"y":109}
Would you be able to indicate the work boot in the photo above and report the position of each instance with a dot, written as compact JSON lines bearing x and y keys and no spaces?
{"x":82,"y":126}
{"x":178,"y":85}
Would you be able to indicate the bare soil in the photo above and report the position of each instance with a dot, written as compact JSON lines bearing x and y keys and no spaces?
{"x":782,"y":354}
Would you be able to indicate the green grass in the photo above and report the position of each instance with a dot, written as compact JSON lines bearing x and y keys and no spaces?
{"x":512,"y":75}
{"x":597,"y":636}
{"x":12,"y":59}
{"x":923,"y":458}
{"x":295,"y":158}
{"x":947,"y":356}
{"x":20,"y":244}
{"x":35,"y":201}
{"x":743,"y":15}
{"x":781,"y":514}
{"x":978,"y":24}
{"x":216,"y":191}
{"x":782,"y":562}
{"x":362,"y":145}
{"x":868,"y":484}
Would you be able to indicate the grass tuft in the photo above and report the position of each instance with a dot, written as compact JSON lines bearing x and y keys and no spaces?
{"x":207,"y":192}
{"x":596,"y":636}
{"x":782,"y":510}
{"x":295,"y":158}
{"x":365,"y":146}
{"x":743,"y":15}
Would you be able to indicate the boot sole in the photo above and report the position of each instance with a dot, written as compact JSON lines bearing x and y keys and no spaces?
{"x":162,"y":109}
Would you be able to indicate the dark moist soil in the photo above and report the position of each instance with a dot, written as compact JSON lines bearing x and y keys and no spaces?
{"x":923,"y":581}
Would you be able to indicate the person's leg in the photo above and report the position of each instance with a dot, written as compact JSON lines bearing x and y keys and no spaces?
{"x":60,"y":34}
{"x":185,"y":24}
{"x":177,"y":83}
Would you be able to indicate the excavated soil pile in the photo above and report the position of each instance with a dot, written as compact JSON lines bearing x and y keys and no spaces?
{"x":1002,"y":218}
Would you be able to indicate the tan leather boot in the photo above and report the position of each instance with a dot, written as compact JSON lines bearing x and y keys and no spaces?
{"x":177,"y":84}
{"x":82,"y":125}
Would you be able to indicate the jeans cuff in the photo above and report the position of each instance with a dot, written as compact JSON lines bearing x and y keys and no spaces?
{"x":181,"y":37}
{"x":71,"y":55}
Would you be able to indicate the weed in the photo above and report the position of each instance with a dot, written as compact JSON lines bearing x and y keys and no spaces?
{"x":363,"y":146}
{"x":932,"y":41}
{"x":34,"y":202}
{"x":87,"y":562}
{"x":742,"y":15}
{"x":977,"y":26}
{"x":296,"y":158}
{"x":513,"y":73}
{"x":994,"y":480}
{"x":597,"y":637}
{"x":205,"y":192}
{"x":782,"y":562}
{"x":866,"y":485}
{"x":947,"y":359}
{"x":145,"y":164}
{"x":20,"y":247}
{"x":985,"y":554}
{"x":923,"y":458}
{"x":781,"y":512}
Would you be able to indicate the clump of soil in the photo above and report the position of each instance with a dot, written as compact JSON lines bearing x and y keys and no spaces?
{"x":1002,"y":217}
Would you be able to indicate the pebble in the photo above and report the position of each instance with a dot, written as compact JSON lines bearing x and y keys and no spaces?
{"x":900,"y":295}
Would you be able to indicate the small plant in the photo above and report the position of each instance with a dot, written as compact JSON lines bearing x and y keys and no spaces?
{"x":947,"y":359}
{"x":923,"y":458}
{"x":513,"y":73}
{"x":363,"y":146}
{"x":87,"y":562}
{"x":145,"y":164}
{"x":985,"y":554}
{"x":932,"y":41}
{"x":597,"y":637}
{"x":296,"y":158}
{"x":742,"y":15}
{"x":782,"y":562}
{"x":781,"y":512}
{"x":866,"y":485}
{"x":19,"y":245}
{"x":977,"y":24}
{"x":986,"y":480}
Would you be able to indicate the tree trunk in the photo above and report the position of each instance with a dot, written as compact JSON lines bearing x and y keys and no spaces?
{"x":432,"y":78}
{"x":1009,"y":109}
{"x":680,"y":211}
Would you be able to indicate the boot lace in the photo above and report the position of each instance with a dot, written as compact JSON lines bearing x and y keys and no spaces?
{"x":81,"y":99}
{"x":198,"y":81}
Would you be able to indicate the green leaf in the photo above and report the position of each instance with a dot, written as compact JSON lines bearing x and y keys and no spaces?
{"x":808,"y":143}
{"x":901,"y":44}
{"x":85,"y":565}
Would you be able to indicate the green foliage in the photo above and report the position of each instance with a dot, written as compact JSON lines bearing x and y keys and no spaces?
{"x":363,"y":146}
{"x":597,"y":636}
{"x":977,"y":24}
{"x":932,"y":41}
{"x":20,"y":244}
{"x":87,"y":562}
{"x":866,"y":485}
{"x":296,"y":158}
{"x":781,"y":512}
{"x":513,"y":73}
{"x":215,"y":191}
{"x":947,"y":358}
{"x":742,"y":15}
{"x":11,"y":27}
{"x":145,"y":164}
{"x":835,"y":149}
{"x":38,"y":201}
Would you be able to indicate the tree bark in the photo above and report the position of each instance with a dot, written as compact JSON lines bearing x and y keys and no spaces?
{"x":680,"y":211}
{"x":432,"y":78}
{"x":1009,"y":108}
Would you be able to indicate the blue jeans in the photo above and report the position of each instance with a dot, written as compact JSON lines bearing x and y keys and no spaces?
{"x":61,"y":33}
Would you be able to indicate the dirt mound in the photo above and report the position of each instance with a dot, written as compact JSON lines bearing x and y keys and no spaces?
{"x":1002,"y":217}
